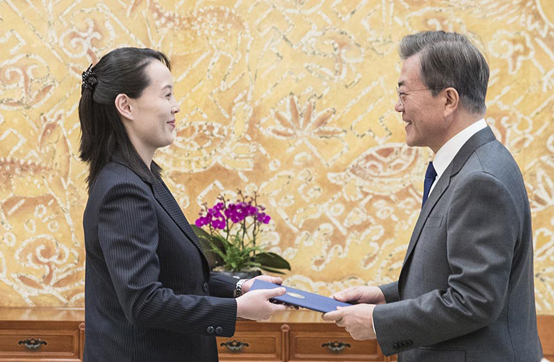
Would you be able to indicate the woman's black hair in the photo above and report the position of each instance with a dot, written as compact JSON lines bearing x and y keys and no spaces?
{"x":121,"y":71}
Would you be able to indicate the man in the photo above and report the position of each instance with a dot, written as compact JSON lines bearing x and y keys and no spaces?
{"x":465,"y":291}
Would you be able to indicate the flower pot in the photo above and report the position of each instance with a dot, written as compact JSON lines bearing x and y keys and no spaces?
{"x":247,"y":274}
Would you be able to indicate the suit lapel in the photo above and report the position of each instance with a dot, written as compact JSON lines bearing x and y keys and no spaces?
{"x":435,"y":196}
{"x":166,"y":200}
{"x":476,"y":141}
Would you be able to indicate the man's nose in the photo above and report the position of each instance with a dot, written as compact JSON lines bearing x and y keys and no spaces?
{"x":399,"y":107}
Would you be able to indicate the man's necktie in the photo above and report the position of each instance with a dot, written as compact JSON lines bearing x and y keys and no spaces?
{"x":430,"y":176}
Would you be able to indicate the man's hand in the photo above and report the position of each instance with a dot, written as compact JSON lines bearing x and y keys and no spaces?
{"x":266,"y":278}
{"x":356,"y":320}
{"x":361,"y":294}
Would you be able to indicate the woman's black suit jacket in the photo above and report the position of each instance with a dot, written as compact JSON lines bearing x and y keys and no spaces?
{"x":149,"y":295}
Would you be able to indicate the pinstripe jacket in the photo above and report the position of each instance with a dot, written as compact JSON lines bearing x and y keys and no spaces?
{"x":149,"y":295}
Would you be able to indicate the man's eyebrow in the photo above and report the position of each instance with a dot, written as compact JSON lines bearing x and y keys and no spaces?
{"x":167,"y":86}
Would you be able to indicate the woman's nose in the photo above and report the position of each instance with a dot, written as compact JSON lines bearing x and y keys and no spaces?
{"x":175,"y":109}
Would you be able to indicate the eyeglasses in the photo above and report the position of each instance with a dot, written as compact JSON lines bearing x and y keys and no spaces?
{"x":402,"y":94}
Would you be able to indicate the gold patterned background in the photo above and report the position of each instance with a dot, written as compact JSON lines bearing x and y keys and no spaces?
{"x":291,"y":98}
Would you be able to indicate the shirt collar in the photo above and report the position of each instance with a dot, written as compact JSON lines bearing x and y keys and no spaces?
{"x":448,"y":151}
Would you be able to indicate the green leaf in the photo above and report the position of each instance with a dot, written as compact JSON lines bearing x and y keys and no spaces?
{"x":233,"y":256}
{"x":200,"y":232}
{"x":218,"y":251}
{"x":207,"y":242}
{"x":276,"y":271}
{"x":272,"y":260}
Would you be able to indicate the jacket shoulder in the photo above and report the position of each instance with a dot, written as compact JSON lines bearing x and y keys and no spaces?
{"x":115,"y":175}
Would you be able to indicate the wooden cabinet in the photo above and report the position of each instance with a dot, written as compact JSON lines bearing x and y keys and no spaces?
{"x":253,"y":342}
{"x":296,"y":336}
{"x":545,"y":325}
{"x":28,"y":334}
{"x":329,"y":343}
{"x":304,"y":336}
{"x":57,"y":335}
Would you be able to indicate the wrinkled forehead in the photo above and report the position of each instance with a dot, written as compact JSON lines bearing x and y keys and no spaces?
{"x":410,"y":74}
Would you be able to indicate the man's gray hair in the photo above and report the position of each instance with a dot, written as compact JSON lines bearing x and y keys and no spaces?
{"x":450,"y":60}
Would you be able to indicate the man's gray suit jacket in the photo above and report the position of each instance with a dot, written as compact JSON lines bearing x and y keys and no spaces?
{"x":465,"y":291}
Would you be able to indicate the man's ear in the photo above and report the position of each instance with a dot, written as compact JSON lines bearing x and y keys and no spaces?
{"x":124,"y":106}
{"x":451,"y":101}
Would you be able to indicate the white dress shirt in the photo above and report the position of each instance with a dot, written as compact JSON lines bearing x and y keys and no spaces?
{"x":450,"y":149}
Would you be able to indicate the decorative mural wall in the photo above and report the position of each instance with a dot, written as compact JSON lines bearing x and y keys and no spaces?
{"x":290,"y":98}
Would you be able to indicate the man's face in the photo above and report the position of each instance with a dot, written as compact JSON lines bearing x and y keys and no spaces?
{"x":423,"y":113}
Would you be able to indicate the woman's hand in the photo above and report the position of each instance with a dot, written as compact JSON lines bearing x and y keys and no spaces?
{"x":256,"y":305}
{"x":266,"y":278}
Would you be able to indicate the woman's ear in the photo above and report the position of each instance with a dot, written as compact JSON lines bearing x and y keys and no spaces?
{"x":452,"y":101}
{"x":123,"y":106}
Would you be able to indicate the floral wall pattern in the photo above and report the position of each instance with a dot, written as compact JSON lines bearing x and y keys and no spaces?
{"x":290,"y":98}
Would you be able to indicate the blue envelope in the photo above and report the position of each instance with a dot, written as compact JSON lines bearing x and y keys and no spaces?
{"x":301,"y":298}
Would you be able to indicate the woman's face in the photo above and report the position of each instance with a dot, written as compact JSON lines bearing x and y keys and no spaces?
{"x":153,"y":114}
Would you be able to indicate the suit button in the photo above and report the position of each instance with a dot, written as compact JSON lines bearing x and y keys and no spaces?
{"x":205,"y":287}
{"x":396,"y":346}
{"x":210,"y":330}
{"x":218,"y":330}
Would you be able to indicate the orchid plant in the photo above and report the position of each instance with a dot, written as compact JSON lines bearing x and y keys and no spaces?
{"x":232,"y":229}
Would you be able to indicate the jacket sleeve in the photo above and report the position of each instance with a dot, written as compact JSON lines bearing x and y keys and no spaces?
{"x":482,"y":228}
{"x":128,"y":235}
{"x":390,"y":291}
{"x":222,"y":285}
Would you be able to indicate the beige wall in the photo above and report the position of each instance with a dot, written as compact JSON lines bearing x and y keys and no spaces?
{"x":290,"y":98}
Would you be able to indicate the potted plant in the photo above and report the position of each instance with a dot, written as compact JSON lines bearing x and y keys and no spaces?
{"x":229,"y":232}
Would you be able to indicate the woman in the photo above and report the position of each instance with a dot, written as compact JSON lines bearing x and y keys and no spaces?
{"x":149,"y":295}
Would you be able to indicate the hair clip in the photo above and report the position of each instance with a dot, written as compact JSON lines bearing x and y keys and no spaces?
{"x":89,"y":80}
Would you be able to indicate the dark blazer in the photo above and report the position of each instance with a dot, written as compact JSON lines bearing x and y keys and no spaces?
{"x":465,"y":292}
{"x":149,"y":295}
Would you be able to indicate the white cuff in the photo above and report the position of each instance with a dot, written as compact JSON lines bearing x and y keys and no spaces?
{"x":373,"y":325}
